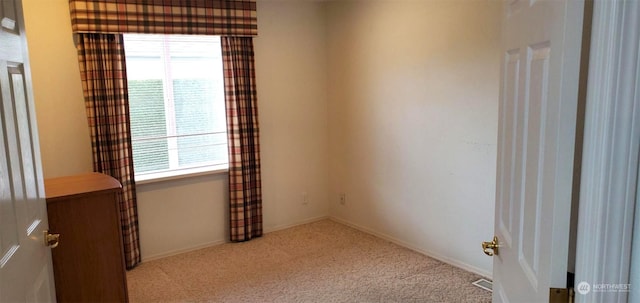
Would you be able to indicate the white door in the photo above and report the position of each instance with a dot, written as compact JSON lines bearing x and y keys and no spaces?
{"x":26,"y":273}
{"x":538,"y":105}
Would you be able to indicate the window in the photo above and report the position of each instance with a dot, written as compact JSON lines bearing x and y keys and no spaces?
{"x":176,"y":104}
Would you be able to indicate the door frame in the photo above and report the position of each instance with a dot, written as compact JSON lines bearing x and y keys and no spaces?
{"x":609,"y":179}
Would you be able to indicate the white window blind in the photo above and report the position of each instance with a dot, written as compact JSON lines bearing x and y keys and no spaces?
{"x":176,"y":104}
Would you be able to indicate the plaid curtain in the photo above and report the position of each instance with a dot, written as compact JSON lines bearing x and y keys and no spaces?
{"x":245,"y":189}
{"x":201,"y":17}
{"x":104,"y":82}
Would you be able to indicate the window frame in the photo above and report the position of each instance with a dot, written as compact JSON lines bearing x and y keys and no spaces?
{"x":171,"y":129}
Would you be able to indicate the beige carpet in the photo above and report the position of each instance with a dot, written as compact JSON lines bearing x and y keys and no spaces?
{"x":319,"y":262}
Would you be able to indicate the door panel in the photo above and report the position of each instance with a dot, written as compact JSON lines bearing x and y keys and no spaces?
{"x":506,"y":151}
{"x":28,"y":170}
{"x":9,"y":231}
{"x":538,"y":109}
{"x":531,"y":205}
{"x":26,"y":273}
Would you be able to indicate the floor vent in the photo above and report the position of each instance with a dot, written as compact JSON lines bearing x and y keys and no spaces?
{"x":484,"y":284}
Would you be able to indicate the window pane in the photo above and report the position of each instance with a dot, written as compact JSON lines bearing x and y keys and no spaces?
{"x":194,"y":106}
{"x":152,"y":155}
{"x":202,"y":150}
{"x":195,"y":113}
{"x":147,"y":114}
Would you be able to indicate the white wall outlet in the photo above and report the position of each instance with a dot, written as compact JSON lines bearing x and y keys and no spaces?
{"x":305,"y":198}
{"x":343,"y":199}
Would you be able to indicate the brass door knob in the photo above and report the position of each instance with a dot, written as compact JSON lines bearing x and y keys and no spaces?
{"x":491,"y":248}
{"x":51,"y":239}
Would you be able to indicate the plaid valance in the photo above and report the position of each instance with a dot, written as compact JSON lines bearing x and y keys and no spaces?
{"x":204,"y":17}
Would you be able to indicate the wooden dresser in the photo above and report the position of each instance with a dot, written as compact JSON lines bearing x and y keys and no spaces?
{"x":88,"y":263}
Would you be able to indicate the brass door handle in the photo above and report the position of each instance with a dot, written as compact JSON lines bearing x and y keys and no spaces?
{"x":51,"y":239}
{"x":491,"y":248}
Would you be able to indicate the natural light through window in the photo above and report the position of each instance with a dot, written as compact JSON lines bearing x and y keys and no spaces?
{"x":176,"y":104}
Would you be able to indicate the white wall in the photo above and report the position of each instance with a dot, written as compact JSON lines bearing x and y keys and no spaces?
{"x":62,"y":121}
{"x":189,"y":213}
{"x":291,"y":78}
{"x":413,"y":97}
{"x":181,"y":215}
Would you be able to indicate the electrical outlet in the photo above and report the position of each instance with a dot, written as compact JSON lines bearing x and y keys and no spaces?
{"x":305,"y":198}
{"x":343,"y":199}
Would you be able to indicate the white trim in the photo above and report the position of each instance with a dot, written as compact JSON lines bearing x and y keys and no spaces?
{"x":297,"y":223}
{"x":181,"y":173}
{"x":610,"y":150}
{"x":181,"y":251}
{"x":634,"y":276}
{"x":218,"y":242}
{"x":428,"y":253}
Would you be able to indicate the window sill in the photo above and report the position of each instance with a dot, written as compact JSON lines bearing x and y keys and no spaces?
{"x":181,"y":174}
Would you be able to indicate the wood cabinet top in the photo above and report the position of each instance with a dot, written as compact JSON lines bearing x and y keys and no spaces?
{"x":84,"y":184}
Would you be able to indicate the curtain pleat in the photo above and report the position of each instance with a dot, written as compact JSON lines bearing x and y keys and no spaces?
{"x":245,"y":189}
{"x":103,"y":72}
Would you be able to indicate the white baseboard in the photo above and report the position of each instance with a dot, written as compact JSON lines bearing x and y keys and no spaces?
{"x":285,"y":226}
{"x":428,"y":253}
{"x":181,"y":251}
{"x":218,"y":242}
